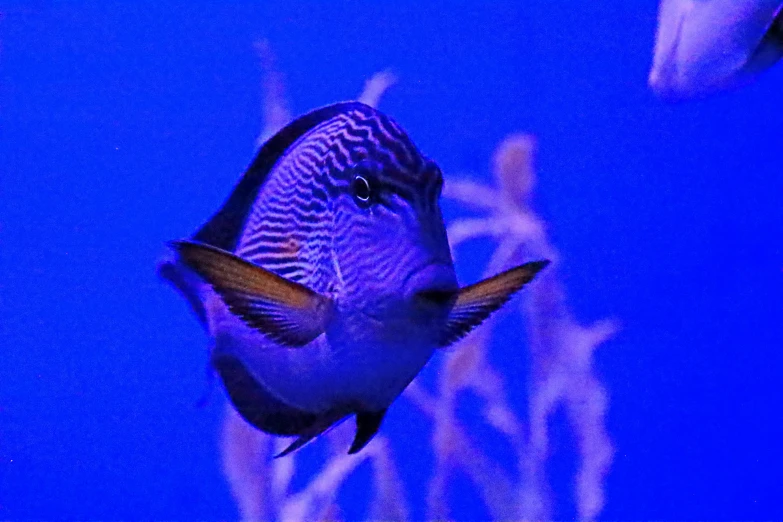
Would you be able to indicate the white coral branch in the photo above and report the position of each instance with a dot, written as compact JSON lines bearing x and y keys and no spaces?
{"x":313,"y":502}
{"x":376,"y":87}
{"x":244,"y":452}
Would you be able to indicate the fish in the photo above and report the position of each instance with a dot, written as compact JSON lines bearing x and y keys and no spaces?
{"x":325,"y":280}
{"x":703,"y":47}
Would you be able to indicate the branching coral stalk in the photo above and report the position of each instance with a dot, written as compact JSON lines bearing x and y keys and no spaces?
{"x":454,"y":448}
{"x":561,"y":348}
{"x":245,"y":453}
{"x":374,"y":88}
{"x":275,"y":107}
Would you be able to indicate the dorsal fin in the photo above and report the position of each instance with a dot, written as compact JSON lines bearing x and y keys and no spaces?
{"x":223,"y":228}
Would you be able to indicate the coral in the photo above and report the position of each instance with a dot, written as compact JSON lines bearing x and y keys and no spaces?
{"x":561,"y":376}
{"x":560,"y":347}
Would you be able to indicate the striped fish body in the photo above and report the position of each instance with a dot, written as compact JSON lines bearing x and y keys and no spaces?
{"x":326,"y":279}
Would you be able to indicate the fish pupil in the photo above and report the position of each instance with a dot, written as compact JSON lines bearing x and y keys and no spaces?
{"x":361,"y":189}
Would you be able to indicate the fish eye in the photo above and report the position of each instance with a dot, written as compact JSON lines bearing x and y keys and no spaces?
{"x":360,"y":186}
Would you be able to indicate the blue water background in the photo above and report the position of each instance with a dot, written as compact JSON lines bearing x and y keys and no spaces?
{"x":125,"y":125}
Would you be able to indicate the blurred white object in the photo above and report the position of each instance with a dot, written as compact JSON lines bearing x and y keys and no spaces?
{"x":703,"y":46}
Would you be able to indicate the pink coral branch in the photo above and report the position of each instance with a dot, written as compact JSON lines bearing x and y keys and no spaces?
{"x":389,"y":499}
{"x":245,"y":452}
{"x":471,"y":194}
{"x":376,"y":87}
{"x":561,"y":348}
{"x":454,"y":448}
{"x":275,"y":106}
{"x":314,"y":502}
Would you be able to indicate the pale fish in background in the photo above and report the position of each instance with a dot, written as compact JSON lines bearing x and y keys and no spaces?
{"x":326,"y":279}
{"x":704,"y":46}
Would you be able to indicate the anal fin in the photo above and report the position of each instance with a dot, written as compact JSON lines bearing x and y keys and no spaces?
{"x":367,"y":425}
{"x":322,"y":425}
{"x":298,"y":443}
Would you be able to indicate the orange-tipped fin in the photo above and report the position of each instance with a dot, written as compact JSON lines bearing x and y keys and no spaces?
{"x":476,"y":302}
{"x":287,"y":312}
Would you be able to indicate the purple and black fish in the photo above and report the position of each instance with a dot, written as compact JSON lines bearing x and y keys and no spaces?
{"x":325,"y":280}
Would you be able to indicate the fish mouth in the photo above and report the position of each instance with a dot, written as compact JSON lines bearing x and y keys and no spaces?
{"x":434,"y":284}
{"x":436,"y":297}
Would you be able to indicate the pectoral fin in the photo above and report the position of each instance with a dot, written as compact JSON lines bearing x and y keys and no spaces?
{"x":476,"y":302}
{"x":287,"y":312}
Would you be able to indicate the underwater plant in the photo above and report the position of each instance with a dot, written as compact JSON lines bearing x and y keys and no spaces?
{"x":561,"y":376}
{"x":561,"y":349}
